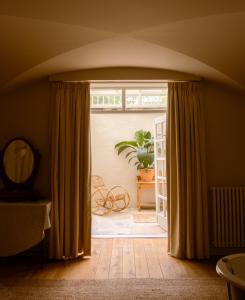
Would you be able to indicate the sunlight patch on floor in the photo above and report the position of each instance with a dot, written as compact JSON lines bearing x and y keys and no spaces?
{"x":123,"y":224}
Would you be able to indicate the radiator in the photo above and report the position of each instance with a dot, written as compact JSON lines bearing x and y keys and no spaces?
{"x":228,"y":210}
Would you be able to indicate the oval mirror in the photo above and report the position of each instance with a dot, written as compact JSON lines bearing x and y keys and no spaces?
{"x":18,"y":161}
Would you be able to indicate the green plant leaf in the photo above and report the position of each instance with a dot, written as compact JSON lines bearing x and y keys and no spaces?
{"x":127,"y":155}
{"x":141,"y":149}
{"x":131,"y":143}
{"x":137,"y":163}
{"x":122,"y":148}
{"x":145,"y":157}
{"x":119,"y":144}
{"x":139,"y":137}
{"x":141,"y":153}
{"x":132,"y":158}
{"x":149,"y":143}
{"x":147,"y":135}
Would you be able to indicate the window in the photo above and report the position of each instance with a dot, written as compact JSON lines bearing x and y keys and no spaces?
{"x":106,"y":98}
{"x":126,"y":97}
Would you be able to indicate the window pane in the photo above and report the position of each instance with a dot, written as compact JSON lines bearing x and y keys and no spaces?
{"x":146,"y":98}
{"x":132,"y":98}
{"x":106,"y":98}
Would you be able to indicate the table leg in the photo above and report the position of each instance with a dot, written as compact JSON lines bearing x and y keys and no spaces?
{"x":138,"y":197}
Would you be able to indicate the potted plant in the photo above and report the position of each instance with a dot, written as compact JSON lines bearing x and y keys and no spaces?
{"x":141,"y":151}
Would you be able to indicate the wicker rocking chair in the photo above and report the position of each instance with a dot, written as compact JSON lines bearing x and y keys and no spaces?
{"x":105,"y":200}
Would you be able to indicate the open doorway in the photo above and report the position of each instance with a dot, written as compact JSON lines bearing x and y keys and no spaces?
{"x":123,"y":204}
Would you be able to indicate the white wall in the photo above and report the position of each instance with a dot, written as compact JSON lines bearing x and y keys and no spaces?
{"x":109,"y":129}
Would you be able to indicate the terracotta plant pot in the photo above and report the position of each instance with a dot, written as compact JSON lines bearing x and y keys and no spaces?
{"x":147,"y":174}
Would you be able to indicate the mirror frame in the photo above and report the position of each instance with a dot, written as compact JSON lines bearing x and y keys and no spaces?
{"x":12,"y":185}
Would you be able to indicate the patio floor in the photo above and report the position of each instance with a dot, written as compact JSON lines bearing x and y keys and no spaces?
{"x":126,"y":224}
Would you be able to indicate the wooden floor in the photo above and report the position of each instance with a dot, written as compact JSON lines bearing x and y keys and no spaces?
{"x":115,"y":258}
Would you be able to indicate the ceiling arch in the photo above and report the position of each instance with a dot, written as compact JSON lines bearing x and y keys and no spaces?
{"x":49,"y":37}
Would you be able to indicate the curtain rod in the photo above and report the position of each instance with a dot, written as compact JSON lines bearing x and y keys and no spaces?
{"x":130,"y":81}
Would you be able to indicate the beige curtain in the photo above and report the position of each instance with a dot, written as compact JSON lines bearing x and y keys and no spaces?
{"x":70,"y":171}
{"x":186,"y":176}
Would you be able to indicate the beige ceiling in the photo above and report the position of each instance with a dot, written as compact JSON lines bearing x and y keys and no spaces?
{"x":205,"y":38}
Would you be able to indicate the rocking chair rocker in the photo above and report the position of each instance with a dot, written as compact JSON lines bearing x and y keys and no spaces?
{"x":105,"y":200}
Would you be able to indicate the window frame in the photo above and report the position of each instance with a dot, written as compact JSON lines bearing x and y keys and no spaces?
{"x":123,"y":108}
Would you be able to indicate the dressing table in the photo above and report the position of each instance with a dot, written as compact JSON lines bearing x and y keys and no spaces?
{"x":24,"y":217}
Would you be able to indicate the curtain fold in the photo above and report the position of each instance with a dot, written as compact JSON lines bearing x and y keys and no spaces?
{"x":186,"y":175}
{"x":70,"y":234}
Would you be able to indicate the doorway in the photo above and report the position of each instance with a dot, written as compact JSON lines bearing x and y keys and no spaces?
{"x":119,"y":111}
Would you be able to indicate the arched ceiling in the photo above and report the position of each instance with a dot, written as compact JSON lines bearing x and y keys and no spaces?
{"x":205,"y":38}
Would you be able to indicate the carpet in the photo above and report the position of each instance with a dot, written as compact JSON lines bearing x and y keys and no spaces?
{"x":145,"y":217}
{"x":117,"y":289}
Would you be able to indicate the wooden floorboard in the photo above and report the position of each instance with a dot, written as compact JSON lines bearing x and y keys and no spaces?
{"x":152,"y":259}
{"x":116,"y":264}
{"x":141,"y":265}
{"x":128,"y":259}
{"x":113,"y":258}
{"x":103,"y":266}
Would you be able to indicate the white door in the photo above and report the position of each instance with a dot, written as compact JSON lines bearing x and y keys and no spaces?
{"x":160,"y":171}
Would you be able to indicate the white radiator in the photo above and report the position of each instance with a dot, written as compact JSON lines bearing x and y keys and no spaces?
{"x":228,"y":209}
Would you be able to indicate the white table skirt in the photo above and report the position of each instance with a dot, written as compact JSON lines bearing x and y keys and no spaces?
{"x":22,"y":225}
